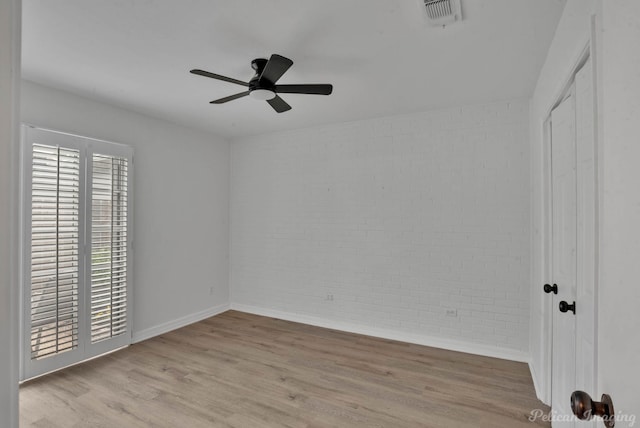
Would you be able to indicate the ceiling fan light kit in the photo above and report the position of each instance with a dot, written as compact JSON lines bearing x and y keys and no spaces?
{"x":262,"y":85}
{"x":262,"y":94}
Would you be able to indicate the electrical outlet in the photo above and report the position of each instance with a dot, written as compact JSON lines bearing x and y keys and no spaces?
{"x":452,"y":312}
{"x":329,"y":297}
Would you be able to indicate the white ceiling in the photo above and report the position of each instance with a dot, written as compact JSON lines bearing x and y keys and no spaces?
{"x":380,"y":55}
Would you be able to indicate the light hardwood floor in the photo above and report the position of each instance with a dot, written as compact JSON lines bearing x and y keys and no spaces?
{"x":241,"y":370}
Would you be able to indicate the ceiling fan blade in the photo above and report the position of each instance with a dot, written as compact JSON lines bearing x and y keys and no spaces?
{"x":279,"y":104}
{"x":275,"y":68}
{"x":230,"y":98}
{"x":319,"y":89}
{"x":219,"y":77}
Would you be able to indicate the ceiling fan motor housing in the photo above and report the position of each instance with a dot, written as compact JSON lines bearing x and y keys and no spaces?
{"x":256,"y":90}
{"x":258,"y":65}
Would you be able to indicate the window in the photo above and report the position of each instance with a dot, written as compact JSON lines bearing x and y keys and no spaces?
{"x":54,"y":250}
{"x":108,"y":247}
{"x":77,"y":249}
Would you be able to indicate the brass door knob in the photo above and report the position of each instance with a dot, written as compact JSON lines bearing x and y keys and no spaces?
{"x":585,"y":408}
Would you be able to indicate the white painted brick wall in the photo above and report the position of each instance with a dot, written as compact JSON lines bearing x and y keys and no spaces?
{"x":399,"y":218}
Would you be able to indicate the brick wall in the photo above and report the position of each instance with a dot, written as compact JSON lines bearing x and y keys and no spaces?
{"x":390,"y":223}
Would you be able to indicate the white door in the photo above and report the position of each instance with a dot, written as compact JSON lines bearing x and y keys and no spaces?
{"x":574,"y":192}
{"x":76,"y":258}
{"x":564,"y":212}
{"x":587,"y":232}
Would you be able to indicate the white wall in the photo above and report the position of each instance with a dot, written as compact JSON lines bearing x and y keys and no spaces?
{"x":399,"y":218}
{"x":9,"y":94}
{"x":571,"y":37}
{"x":181,"y":201}
{"x":619,"y":294}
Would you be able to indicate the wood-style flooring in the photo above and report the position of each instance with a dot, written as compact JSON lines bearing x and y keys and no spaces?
{"x":241,"y":370}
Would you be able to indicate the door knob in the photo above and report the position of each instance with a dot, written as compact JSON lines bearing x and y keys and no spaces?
{"x":551,"y":288}
{"x":566,"y":307}
{"x":585,"y":408}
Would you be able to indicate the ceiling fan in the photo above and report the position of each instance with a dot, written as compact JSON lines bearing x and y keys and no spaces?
{"x":262,"y":85}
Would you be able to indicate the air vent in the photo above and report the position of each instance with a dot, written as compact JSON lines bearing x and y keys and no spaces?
{"x":442,"y":12}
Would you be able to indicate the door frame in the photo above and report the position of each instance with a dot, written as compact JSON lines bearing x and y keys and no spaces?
{"x":588,"y":52}
{"x":86,"y":146}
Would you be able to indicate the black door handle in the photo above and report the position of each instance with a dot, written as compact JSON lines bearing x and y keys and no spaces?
{"x":551,"y":288}
{"x":566,"y":307}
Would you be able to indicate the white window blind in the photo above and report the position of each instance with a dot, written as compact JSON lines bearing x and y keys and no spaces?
{"x":108,"y":247}
{"x":55,"y":191}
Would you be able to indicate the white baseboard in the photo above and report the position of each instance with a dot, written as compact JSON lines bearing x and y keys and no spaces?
{"x":418,"y":339}
{"x":139,"y":336}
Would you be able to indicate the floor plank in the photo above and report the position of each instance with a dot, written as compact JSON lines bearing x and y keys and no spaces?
{"x":242,"y":370}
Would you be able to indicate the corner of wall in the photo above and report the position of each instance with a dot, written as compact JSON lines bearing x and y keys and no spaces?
{"x":230,"y":224}
{"x":10,"y":53}
{"x":540,"y":392}
{"x":139,"y":336}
